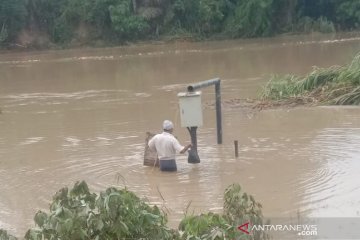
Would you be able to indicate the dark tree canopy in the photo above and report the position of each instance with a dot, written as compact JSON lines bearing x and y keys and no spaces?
{"x":117,"y":21}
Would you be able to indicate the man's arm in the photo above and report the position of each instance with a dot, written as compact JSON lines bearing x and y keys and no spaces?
{"x":186,"y":148}
{"x":179,"y":148}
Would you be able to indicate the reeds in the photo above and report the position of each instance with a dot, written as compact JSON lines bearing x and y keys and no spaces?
{"x":334,"y":85}
{"x":351,"y":98}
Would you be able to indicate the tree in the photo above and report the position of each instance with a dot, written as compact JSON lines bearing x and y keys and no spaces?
{"x":203,"y":17}
{"x":348,"y":14}
{"x":251,"y":18}
{"x":12,"y":18}
{"x":125,"y":23}
{"x":153,"y":11}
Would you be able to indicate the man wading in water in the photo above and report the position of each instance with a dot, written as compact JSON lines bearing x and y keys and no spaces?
{"x":166,"y":146}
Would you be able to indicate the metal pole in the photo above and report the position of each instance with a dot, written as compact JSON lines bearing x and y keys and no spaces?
{"x":216,"y":82}
{"x":193,"y":156}
{"x":203,"y":84}
{"x":218,"y":113}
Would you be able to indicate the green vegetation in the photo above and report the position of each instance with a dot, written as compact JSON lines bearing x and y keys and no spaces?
{"x":239,"y":208}
{"x":12,"y":18}
{"x":120,"y":214}
{"x":335,"y":85}
{"x":69,"y":22}
{"x":5,"y":236}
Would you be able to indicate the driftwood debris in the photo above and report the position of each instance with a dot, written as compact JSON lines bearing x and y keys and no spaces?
{"x":150,"y":157}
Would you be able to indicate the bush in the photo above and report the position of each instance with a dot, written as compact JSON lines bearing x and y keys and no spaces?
{"x":250,"y":19}
{"x":114,"y":214}
{"x":5,"y":236}
{"x":125,"y":23}
{"x":334,"y":85}
{"x":12,"y":18}
{"x":3,"y":34}
{"x":120,"y":214}
{"x":239,"y":208}
{"x":348,"y":14}
{"x":307,"y":25}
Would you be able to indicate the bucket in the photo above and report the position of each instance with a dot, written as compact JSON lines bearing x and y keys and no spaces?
{"x":150,"y":157}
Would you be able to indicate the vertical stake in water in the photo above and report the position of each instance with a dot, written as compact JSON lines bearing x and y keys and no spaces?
{"x":218,"y":112}
{"x":236,"y":145}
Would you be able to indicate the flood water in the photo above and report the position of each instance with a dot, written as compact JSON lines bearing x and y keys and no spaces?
{"x":82,"y":115}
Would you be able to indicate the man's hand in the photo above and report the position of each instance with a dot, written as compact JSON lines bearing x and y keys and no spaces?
{"x":186,"y":148}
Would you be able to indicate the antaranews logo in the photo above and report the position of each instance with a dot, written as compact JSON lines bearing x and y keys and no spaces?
{"x":301,"y":230}
{"x":244,"y":228}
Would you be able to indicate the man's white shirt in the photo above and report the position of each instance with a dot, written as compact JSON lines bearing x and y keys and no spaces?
{"x":166,"y":145}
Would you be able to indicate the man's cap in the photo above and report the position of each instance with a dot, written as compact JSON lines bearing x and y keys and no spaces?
{"x":168,"y":125}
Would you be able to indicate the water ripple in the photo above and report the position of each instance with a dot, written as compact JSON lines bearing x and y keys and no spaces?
{"x":337,"y":152}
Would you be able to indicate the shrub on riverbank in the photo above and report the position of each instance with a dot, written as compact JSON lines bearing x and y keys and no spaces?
{"x":49,"y":23}
{"x":334,"y":85}
{"x":120,"y":214}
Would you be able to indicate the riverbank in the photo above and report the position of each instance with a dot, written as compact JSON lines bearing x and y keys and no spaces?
{"x":336,"y":85}
{"x":96,"y":44}
{"x":36,"y":41}
{"x":46,"y":23}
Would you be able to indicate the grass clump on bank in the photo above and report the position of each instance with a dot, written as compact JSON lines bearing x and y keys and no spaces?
{"x":337,"y":85}
{"x":78,"y":214}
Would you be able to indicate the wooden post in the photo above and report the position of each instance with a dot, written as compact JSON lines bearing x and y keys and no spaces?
{"x":236,"y":144}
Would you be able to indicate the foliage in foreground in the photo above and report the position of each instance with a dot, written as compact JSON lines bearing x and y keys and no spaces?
{"x":239,"y":208}
{"x":5,"y":236}
{"x":335,"y":85}
{"x":114,"y":214}
{"x":120,"y":214}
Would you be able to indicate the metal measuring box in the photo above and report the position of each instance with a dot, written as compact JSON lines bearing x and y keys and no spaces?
{"x":190,"y":109}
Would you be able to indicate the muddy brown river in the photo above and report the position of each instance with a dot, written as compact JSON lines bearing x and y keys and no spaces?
{"x":82,"y":115}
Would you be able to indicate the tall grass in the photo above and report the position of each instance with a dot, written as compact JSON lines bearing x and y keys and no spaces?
{"x":351,"y":98}
{"x":333,"y":85}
